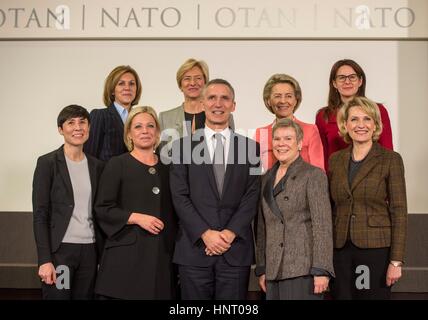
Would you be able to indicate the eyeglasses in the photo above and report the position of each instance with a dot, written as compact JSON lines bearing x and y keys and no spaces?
{"x":352,"y":77}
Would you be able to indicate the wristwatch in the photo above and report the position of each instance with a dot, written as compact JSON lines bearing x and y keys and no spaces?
{"x":396,"y":263}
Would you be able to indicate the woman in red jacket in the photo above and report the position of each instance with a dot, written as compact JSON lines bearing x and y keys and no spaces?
{"x":347,"y":80}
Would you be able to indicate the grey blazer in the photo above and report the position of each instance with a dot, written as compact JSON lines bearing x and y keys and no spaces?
{"x":294,"y":233}
{"x":174,"y":119}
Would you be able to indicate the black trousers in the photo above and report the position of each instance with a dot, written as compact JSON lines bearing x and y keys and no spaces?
{"x":221,"y":281}
{"x":360,"y":273}
{"x":300,"y":288}
{"x":77,"y":265}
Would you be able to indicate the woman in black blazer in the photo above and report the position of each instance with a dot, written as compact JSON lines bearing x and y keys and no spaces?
{"x":122,"y":90}
{"x":67,"y":238}
{"x":135,"y":211}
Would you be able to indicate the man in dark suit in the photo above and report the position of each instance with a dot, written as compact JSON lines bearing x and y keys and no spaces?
{"x":64,"y":186}
{"x":216,"y":201}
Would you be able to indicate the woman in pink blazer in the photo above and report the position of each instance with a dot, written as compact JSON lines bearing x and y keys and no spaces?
{"x":282,"y":96}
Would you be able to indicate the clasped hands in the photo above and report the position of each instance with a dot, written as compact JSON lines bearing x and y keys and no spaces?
{"x":217,"y":242}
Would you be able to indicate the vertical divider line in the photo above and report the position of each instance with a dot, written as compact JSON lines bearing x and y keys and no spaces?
{"x":83,"y":17}
{"x":198,"y":16}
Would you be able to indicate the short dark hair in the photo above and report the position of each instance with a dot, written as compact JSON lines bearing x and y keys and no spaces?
{"x":72,"y":111}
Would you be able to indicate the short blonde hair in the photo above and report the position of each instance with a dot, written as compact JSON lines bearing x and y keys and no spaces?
{"x":369,"y":107}
{"x":188,"y":65}
{"x":281,"y":78}
{"x":288,"y":123}
{"x":134,"y":111}
{"x":112,"y":80}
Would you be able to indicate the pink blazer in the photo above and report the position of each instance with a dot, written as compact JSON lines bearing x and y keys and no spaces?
{"x":312,"y":149}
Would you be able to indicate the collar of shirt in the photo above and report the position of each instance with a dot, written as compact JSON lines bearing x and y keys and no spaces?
{"x":123,"y":113}
{"x":209,"y":133}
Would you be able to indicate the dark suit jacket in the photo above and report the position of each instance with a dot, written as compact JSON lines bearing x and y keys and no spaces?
{"x":200,"y":207}
{"x":53,"y":201}
{"x":106,"y":134}
{"x":374,"y":208}
{"x":294,"y":232}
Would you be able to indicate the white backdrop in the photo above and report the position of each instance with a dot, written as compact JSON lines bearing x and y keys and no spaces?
{"x":38,"y":78}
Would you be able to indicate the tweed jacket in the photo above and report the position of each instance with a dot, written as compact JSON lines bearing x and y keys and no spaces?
{"x":373,"y":210}
{"x":294,"y":233}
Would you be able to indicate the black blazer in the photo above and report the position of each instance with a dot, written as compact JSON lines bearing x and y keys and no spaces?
{"x":200,"y":207}
{"x":106,"y":134}
{"x":53,"y":201}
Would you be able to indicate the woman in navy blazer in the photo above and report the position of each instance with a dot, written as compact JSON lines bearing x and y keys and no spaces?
{"x":122,"y":90}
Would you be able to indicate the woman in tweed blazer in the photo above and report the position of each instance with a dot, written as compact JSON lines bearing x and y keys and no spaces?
{"x":294,"y":236}
{"x":368,"y":194}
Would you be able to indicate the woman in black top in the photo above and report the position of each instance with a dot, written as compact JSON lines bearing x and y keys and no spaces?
{"x":135,"y":211}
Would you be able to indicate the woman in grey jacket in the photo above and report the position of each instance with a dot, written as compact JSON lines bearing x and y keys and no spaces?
{"x":189,"y":117}
{"x":294,"y":231}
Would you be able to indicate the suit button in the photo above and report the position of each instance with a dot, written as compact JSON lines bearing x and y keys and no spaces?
{"x":281,"y":244}
{"x":353,"y":216}
{"x":70,"y":206}
{"x":286,"y":198}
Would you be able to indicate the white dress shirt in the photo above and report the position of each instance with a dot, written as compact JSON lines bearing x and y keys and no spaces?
{"x":211,"y":141}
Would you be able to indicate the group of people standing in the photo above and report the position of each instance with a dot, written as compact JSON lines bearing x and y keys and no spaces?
{"x":138,"y":206}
